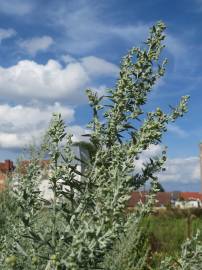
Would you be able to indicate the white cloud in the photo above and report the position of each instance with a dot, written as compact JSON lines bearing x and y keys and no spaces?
{"x":181,"y":170}
{"x":14,"y":140}
{"x":20,"y":124}
{"x":36,"y":44}
{"x":28,"y":79}
{"x":152,"y":152}
{"x":15,"y":7}
{"x":178,"y":170}
{"x":6,"y":33}
{"x":21,"y":117}
{"x":173,"y":128}
{"x":96,"y":66}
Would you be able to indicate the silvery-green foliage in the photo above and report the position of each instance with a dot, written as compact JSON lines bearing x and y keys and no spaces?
{"x":130,"y":252}
{"x":8,"y":207}
{"x":85,"y":217}
{"x":189,"y":259}
{"x":18,"y":250}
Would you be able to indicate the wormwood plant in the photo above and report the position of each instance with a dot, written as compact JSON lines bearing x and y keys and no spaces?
{"x":131,"y":251}
{"x":86,"y":215}
{"x":190,"y":258}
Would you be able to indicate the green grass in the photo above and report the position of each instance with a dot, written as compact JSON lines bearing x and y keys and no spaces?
{"x":168,"y":229}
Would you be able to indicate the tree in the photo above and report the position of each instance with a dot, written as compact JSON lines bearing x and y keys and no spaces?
{"x":84,"y":218}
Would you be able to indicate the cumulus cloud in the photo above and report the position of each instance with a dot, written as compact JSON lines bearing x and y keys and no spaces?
{"x":28,"y":79}
{"x":51,"y":81}
{"x":178,"y":170}
{"x":96,"y":66}
{"x":36,"y":44}
{"x":181,"y":170}
{"x":152,"y":152}
{"x":20,"y":124}
{"x":16,"y":141}
{"x":6,"y":33}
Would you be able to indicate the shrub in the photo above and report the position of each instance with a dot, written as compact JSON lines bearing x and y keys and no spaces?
{"x":85,"y":217}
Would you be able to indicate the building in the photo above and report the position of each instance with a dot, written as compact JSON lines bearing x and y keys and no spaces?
{"x":6,"y":168}
{"x":189,"y":200}
{"x":171,"y":199}
{"x":137,"y":197}
{"x":163,"y":199}
{"x":45,"y":185}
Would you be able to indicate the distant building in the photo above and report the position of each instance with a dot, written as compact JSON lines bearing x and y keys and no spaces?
{"x":45,"y":184}
{"x":6,"y":168}
{"x":137,"y":197}
{"x":189,"y":200}
{"x":163,"y":199}
{"x":173,"y":199}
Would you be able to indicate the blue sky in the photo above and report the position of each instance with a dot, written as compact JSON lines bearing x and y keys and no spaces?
{"x":51,"y":51}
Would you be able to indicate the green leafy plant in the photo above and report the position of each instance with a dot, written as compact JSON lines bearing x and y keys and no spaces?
{"x":80,"y":224}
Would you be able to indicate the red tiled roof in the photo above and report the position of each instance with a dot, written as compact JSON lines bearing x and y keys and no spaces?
{"x":191,"y":196}
{"x":137,"y":197}
{"x":163,"y":198}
